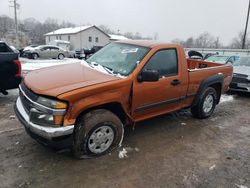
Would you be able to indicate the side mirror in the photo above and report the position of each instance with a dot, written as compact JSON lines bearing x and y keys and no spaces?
{"x":148,"y":76}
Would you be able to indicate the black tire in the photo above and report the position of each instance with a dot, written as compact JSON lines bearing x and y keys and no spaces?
{"x":60,"y":56}
{"x":35,"y":56}
{"x":198,"y":110}
{"x":88,"y":124}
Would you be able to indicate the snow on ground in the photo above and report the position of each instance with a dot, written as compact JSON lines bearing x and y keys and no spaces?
{"x":31,"y":64}
{"x":123,"y":153}
{"x":226,"y":98}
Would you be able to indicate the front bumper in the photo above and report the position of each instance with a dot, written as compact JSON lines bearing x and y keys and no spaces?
{"x":50,"y":133}
{"x":241,"y":87}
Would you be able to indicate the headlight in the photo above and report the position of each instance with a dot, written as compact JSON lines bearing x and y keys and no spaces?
{"x":43,"y":117}
{"x":51,"y":103}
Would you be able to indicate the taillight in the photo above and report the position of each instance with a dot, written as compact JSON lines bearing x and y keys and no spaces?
{"x":19,"y":71}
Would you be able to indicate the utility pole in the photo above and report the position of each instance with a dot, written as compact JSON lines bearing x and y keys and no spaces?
{"x":16,"y":6}
{"x":245,"y":33}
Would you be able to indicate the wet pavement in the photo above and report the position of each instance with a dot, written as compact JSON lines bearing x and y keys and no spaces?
{"x":174,"y":150}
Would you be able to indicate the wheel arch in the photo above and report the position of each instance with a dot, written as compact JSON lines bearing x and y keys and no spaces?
{"x":215,"y":81}
{"x":114,"y":107}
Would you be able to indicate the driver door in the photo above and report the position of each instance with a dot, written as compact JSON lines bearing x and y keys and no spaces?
{"x":162,"y":96}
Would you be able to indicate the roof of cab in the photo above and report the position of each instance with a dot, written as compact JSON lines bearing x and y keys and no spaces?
{"x":146,"y":43}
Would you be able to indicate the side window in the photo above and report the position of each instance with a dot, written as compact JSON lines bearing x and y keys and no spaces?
{"x":54,"y":48}
{"x":165,"y":62}
{"x":96,"y":39}
{"x":4,"y":48}
{"x":45,"y":48}
{"x":90,"y":39}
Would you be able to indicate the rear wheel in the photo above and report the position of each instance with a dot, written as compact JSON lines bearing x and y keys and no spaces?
{"x":206,"y":104}
{"x":97,"y":132}
{"x":60,"y":56}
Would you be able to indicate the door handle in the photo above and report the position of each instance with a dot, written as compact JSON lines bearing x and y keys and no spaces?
{"x":175,"y":82}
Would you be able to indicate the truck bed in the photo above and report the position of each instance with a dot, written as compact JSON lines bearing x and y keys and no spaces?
{"x":198,"y":64}
{"x":199,"y":70}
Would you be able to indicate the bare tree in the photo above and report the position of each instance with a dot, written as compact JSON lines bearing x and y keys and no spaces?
{"x":217,"y":43}
{"x":178,"y":41}
{"x":204,"y":40}
{"x":237,"y":41}
{"x":6,"y":25}
{"x":106,"y":29}
{"x":156,"y":36}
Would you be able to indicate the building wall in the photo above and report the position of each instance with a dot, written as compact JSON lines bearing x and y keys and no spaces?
{"x":81,"y":40}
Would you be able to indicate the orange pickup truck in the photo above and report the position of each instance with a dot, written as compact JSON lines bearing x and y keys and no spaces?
{"x":87,"y":104}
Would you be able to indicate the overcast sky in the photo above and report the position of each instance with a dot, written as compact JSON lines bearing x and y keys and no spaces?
{"x":169,"y":18}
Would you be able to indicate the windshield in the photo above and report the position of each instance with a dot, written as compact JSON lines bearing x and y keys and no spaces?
{"x":243,"y":61}
{"x":218,"y":59}
{"x":119,"y":58}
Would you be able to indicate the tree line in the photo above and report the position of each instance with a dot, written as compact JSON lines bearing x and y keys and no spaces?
{"x":206,"y":40}
{"x":31,"y":31}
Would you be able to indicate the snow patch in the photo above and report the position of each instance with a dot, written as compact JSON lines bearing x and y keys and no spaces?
{"x":137,"y":149}
{"x":69,"y":30}
{"x":241,"y":186}
{"x":226,"y":98}
{"x":212,"y":167}
{"x":123,"y":153}
{"x":31,"y":64}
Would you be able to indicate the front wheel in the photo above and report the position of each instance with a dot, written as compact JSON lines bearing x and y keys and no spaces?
{"x":98,"y":132}
{"x":206,"y":104}
{"x":35,"y":56}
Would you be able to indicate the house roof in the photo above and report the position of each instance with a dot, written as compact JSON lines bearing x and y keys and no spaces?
{"x":69,"y":30}
{"x":117,"y":37}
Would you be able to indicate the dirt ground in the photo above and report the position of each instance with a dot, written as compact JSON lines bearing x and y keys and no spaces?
{"x":174,"y":150}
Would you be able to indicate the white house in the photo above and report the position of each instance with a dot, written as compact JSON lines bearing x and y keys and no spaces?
{"x":79,"y":37}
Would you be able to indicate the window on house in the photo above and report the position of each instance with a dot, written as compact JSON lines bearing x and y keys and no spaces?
{"x":90,"y":39}
{"x":56,"y":37}
{"x":60,"y":38}
{"x":49,"y":38}
{"x":96,"y":39}
{"x":69,"y":38}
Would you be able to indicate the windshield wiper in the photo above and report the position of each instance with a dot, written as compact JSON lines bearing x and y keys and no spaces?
{"x":107,"y":69}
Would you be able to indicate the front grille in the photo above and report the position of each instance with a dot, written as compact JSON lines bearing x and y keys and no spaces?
{"x":240,"y":78}
{"x":25,"y":93}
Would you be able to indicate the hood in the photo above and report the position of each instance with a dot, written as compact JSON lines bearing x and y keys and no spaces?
{"x":242,"y":70}
{"x":53,"y":81}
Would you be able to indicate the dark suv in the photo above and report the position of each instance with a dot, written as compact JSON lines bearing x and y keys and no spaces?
{"x":10,"y":68}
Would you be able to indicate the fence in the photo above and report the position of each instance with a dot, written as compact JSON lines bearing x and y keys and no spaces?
{"x":239,"y":52}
